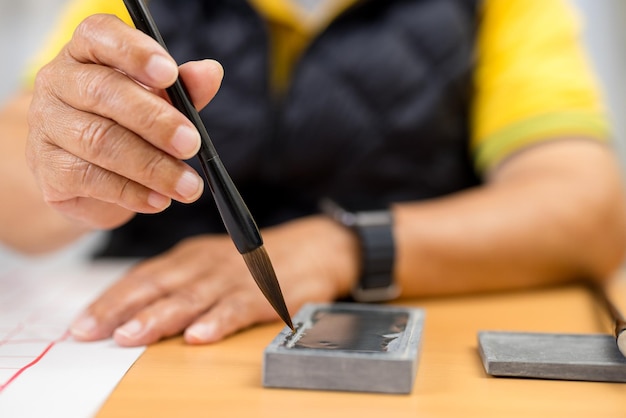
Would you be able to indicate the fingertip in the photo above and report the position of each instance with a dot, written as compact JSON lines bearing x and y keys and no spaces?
{"x":202,"y":333}
{"x":190,"y":186}
{"x":162,"y":70}
{"x":85,"y":328}
{"x":215,"y":67}
{"x":186,"y":141}
{"x":159,"y":201}
{"x":203,"y":79}
{"x":130,"y":334}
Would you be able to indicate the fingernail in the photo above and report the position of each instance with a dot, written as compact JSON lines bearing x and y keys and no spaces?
{"x":161,"y":69}
{"x":84,"y":326}
{"x":130,"y":329}
{"x":186,"y":141}
{"x":189,"y":185}
{"x":201,"y":333}
{"x":158,"y":201}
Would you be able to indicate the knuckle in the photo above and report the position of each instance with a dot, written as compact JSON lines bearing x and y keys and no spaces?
{"x":149,"y":116}
{"x":43,"y":77}
{"x":61,"y":184}
{"x":89,"y":180}
{"x":34,"y":116}
{"x":96,"y":136}
{"x":97,"y":87}
{"x":96,"y":26}
{"x":149,"y":285}
{"x":125,"y":190}
{"x":153,"y":165}
{"x":89,"y":27}
{"x":33,"y":153}
{"x":85,"y":174}
{"x":127,"y":47}
{"x":44,"y":92}
{"x":35,"y":136}
{"x":190,"y":298}
{"x":100,"y":31}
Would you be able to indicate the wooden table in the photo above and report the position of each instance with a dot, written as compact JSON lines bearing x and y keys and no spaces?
{"x":172,"y":379}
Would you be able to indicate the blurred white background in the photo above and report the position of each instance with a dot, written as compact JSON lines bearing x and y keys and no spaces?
{"x":25,"y":23}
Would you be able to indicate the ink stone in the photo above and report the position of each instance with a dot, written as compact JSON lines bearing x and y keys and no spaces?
{"x":584,"y":357}
{"x":347,"y":347}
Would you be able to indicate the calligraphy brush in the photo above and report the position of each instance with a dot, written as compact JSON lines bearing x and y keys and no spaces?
{"x":616,"y":316}
{"x":236,"y":217}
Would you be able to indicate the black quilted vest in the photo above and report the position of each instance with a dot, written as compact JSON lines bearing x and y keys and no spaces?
{"x":377,"y":112}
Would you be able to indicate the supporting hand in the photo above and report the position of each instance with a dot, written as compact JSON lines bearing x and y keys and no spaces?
{"x":202,"y":286}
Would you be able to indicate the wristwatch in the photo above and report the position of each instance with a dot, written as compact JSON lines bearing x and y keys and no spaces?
{"x":374,"y":230}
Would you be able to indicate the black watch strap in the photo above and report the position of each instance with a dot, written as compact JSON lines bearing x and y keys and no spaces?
{"x":374,"y":230}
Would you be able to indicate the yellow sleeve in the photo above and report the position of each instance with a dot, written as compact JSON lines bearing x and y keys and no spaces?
{"x":533,"y":81}
{"x":74,"y":13}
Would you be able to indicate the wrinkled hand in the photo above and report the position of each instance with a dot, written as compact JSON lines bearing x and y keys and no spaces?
{"x":202,"y":286}
{"x":104,"y":142}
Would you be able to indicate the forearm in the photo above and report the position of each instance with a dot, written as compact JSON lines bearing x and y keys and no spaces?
{"x":27,"y":224}
{"x":551,"y":214}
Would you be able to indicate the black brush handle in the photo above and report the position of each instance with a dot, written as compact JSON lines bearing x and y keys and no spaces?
{"x":235,"y":214}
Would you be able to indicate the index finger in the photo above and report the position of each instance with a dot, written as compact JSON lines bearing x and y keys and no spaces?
{"x":107,"y":40}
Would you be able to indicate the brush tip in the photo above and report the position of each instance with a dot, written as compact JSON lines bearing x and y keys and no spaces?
{"x":262,"y":271}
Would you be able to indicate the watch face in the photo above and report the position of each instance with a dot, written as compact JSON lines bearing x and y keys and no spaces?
{"x":352,"y":330}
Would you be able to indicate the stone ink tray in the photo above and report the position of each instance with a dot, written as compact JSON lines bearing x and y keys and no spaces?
{"x":347,"y":347}
{"x":586,"y":357}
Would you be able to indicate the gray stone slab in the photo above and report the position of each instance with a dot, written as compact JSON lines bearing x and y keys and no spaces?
{"x":347,"y":347}
{"x":587,"y":357}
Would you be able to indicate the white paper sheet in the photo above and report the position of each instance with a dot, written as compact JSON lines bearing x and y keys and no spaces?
{"x":43,"y":372}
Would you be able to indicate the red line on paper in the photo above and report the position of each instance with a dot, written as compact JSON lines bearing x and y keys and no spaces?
{"x":34,"y":362}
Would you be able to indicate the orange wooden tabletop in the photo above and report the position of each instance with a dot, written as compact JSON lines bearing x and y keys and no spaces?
{"x":172,"y":379}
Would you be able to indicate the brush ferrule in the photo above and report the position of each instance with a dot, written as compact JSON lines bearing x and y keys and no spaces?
{"x":233,"y":210}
